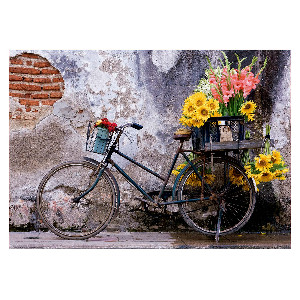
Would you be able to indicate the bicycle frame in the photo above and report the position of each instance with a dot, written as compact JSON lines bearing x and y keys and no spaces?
{"x":181,"y":151}
{"x":165,"y":179}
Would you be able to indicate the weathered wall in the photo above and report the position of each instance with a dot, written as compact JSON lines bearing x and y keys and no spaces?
{"x":147,"y":87}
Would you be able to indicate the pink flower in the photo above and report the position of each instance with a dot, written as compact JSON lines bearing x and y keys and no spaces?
{"x":232,"y":82}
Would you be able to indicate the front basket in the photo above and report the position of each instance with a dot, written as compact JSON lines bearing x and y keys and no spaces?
{"x":97,"y":140}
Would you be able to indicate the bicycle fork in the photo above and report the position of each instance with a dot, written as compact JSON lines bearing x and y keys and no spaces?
{"x":77,"y":199}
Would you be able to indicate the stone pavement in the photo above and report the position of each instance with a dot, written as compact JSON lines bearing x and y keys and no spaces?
{"x":151,"y":240}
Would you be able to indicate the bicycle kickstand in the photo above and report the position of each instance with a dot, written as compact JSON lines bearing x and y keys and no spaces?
{"x":219,"y":224}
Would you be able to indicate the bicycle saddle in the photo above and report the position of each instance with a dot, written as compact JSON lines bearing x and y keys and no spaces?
{"x":182,"y":134}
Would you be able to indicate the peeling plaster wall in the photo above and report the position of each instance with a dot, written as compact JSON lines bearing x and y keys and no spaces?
{"x":147,"y":87}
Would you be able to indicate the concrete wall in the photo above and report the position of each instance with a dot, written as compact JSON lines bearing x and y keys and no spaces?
{"x":147,"y":87}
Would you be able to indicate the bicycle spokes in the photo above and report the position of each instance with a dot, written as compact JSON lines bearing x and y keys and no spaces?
{"x":229,"y":200}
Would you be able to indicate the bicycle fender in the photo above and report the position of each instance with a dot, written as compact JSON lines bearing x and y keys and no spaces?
{"x":179,"y":176}
{"x":177,"y":180}
{"x":108,"y":172}
{"x":91,"y":160}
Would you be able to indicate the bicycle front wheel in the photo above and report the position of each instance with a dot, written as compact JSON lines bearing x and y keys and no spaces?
{"x":225,"y":185}
{"x":71,"y":220}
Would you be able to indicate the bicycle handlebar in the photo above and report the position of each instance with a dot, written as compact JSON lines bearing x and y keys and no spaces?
{"x":133,"y":125}
{"x":137,"y":126}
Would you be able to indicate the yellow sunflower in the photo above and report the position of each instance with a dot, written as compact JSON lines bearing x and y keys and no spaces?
{"x":209,"y":178}
{"x":203,"y":112}
{"x":250,"y":117}
{"x":216,"y":114}
{"x":263,"y":162}
{"x":186,"y":121}
{"x":277,"y":173}
{"x":245,"y":187}
{"x":175,"y":172}
{"x":276,"y":157}
{"x":198,"y":99}
{"x":256,"y":179}
{"x":189,"y":109}
{"x":197,"y":122}
{"x":266,"y":176}
{"x":235,"y":176}
{"x":247,"y":168}
{"x":193,"y":180}
{"x":213,"y":105}
{"x":248,"y":108}
{"x":178,"y":169}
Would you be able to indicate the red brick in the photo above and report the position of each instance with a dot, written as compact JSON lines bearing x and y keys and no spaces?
{"x":28,"y":108}
{"x":15,"y":78}
{"x":28,"y":62}
{"x":16,"y":95}
{"x":18,"y":117}
{"x":42,"y":80}
{"x":20,"y":95}
{"x":28,"y":79}
{"x":28,"y":102}
{"x":49,"y":71}
{"x":30,"y":55}
{"x":56,"y":95}
{"x":51,"y":87}
{"x":19,"y":109}
{"x":40,"y":96}
{"x":24,"y":70}
{"x":58,"y":79}
{"x":48,"y":102}
{"x":25,"y":87}
{"x":16,"y":61}
{"x":42,"y":64}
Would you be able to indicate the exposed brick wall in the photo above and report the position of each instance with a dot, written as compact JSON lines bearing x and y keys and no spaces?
{"x":33,"y":83}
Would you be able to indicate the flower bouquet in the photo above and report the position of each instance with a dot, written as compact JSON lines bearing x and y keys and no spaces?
{"x":101,"y":135}
{"x":220,"y":102}
{"x":222,"y":93}
{"x":267,"y":166}
{"x":104,"y":123}
{"x":193,"y":179}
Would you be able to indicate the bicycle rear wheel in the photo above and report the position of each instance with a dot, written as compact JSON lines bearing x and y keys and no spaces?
{"x":225,"y":184}
{"x":71,"y":220}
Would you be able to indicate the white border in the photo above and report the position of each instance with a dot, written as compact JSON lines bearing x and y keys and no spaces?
{"x":229,"y":274}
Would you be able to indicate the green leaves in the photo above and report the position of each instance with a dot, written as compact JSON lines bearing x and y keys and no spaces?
{"x":268,"y":129}
{"x":239,"y":63}
{"x":254,"y":60}
{"x":265,"y":63}
{"x":247,"y":135}
{"x":267,"y":143}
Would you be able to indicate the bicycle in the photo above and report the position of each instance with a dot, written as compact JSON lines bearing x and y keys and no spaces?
{"x":77,"y":200}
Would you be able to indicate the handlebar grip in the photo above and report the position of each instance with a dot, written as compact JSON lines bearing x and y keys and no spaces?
{"x":136,"y":126}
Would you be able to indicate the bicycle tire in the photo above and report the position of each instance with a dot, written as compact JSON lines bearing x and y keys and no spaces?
{"x":238,"y":198}
{"x":94,"y":211}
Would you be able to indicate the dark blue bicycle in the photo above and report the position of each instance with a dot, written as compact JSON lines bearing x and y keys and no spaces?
{"x":77,"y":200}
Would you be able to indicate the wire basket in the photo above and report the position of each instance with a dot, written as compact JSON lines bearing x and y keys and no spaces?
{"x":98,"y":139}
{"x":212,"y":129}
